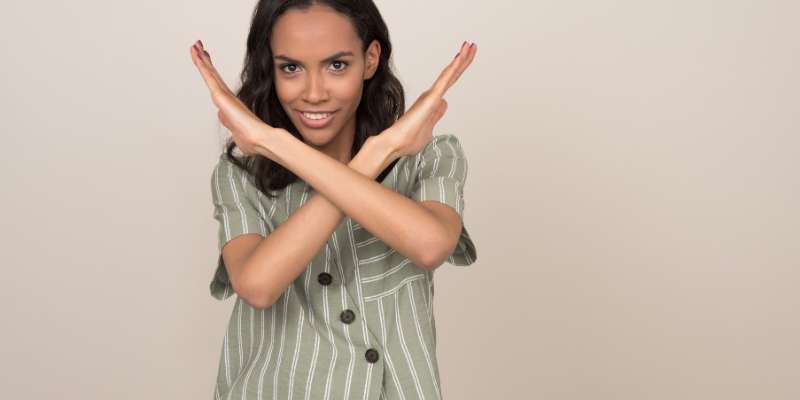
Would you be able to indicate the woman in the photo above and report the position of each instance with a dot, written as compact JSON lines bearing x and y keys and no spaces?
{"x":334,"y":271}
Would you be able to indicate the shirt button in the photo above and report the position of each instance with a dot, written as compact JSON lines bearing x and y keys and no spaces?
{"x":347,"y":316}
{"x":324,"y":278}
{"x":371,"y":355}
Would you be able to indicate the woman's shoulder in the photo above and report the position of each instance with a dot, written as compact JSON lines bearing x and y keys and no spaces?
{"x":224,"y":167}
{"x":228,"y":178}
{"x":441,"y":146}
{"x":227,"y":169}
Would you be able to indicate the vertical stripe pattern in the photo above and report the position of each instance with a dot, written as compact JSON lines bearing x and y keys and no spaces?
{"x":306,"y":346}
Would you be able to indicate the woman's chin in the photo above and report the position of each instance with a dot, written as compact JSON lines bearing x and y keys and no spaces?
{"x":317,"y":137}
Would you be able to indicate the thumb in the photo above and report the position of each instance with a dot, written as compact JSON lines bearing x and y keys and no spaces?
{"x":438,"y":113}
{"x":434,"y":117}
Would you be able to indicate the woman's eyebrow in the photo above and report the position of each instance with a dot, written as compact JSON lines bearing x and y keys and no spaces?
{"x":326,"y":60}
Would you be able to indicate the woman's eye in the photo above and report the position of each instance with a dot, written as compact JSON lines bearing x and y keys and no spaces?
{"x":343,"y":63}
{"x":283,"y":68}
{"x":292,"y":68}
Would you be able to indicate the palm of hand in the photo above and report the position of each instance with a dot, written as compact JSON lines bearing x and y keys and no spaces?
{"x":411,"y":132}
{"x":246,"y":128}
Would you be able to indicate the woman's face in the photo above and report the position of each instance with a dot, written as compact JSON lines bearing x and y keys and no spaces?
{"x":319,"y":68}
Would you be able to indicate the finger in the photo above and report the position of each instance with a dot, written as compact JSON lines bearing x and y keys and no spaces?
{"x":441,"y":83}
{"x":465,"y":58}
{"x":205,"y":56}
{"x":463,"y":67}
{"x":206,"y":59}
{"x":210,"y":74}
{"x":208,"y":77}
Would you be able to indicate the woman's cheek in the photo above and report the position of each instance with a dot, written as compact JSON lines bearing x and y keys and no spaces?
{"x":351,"y":87}
{"x":284,"y":90}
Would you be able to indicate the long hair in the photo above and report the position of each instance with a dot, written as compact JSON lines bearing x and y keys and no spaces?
{"x":382,"y":101}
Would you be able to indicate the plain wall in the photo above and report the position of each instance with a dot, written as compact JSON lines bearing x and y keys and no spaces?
{"x":632,"y":193}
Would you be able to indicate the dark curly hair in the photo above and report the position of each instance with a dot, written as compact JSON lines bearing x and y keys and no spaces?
{"x":382,"y":100}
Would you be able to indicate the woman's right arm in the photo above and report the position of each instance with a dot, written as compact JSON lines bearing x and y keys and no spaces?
{"x":261,"y":268}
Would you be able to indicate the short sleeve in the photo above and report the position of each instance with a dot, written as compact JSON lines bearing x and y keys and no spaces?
{"x":441,"y":175}
{"x":238,"y":210}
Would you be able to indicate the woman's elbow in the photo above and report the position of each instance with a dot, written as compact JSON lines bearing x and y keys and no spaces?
{"x":257,"y":298}
{"x":435,"y":255}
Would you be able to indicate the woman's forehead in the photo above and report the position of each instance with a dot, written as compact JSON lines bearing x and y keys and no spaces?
{"x":314,"y":30}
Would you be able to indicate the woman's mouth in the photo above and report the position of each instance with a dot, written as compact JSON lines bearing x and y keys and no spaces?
{"x":316,"y":120}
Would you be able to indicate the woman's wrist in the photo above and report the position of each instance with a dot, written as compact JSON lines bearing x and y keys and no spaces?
{"x":268,"y":140}
{"x":375,"y":155}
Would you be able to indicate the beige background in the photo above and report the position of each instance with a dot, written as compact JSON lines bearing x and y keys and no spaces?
{"x":633,"y":195}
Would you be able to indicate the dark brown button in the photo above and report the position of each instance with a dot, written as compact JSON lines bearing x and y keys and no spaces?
{"x":347,"y":316}
{"x":371,"y":355}
{"x":324,"y":278}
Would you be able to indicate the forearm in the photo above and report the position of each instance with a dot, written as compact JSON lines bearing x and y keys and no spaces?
{"x":400,"y":222}
{"x":281,"y":257}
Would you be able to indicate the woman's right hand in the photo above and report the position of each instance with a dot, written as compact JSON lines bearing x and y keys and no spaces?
{"x":248,"y":130}
{"x":411,"y":132}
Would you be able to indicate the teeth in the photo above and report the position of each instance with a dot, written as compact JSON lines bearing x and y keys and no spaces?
{"x":316,"y":116}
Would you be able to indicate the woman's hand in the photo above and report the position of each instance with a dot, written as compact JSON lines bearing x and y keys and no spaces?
{"x":247,"y":129}
{"x":411,"y":132}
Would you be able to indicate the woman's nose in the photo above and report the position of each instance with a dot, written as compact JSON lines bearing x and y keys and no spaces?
{"x":315,"y":89}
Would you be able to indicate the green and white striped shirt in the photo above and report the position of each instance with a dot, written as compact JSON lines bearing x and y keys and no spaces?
{"x":358,"y":323}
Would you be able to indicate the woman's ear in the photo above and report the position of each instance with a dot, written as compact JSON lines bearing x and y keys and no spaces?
{"x":372,"y":59}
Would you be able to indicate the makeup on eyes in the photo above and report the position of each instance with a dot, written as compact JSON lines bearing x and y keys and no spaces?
{"x":346,"y":64}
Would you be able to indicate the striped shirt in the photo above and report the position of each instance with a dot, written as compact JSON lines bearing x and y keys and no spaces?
{"x":358,"y":323}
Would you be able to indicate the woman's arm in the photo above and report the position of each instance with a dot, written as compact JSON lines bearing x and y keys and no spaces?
{"x":402,"y":223}
{"x":277,"y":260}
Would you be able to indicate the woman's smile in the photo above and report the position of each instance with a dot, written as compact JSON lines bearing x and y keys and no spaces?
{"x":316,"y":120}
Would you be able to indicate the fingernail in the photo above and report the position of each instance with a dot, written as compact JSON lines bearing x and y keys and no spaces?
{"x":201,"y":44}
{"x":471,"y":44}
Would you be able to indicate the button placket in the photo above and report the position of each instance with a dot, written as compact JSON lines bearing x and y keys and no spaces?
{"x":348,"y":315}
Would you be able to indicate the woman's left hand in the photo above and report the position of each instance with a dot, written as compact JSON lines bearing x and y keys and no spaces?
{"x":411,"y":132}
{"x":246,"y":128}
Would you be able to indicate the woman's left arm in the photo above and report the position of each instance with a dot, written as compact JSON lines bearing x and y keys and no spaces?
{"x":426,"y":232}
